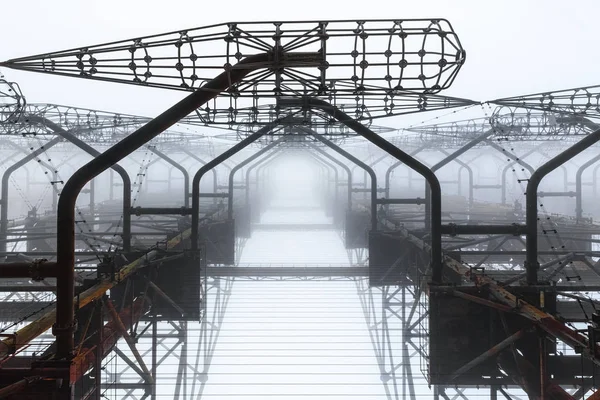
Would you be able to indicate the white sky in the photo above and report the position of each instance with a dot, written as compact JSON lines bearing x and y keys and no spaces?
{"x":513,"y":46}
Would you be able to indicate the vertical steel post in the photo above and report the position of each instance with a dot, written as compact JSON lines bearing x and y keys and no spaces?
{"x":93,"y":201}
{"x":111,"y":179}
{"x":595,"y":180}
{"x":99,"y":356}
{"x":154,"y":322}
{"x":336,"y":185}
{"x":262,"y":163}
{"x":265,"y":160}
{"x":169,"y":178}
{"x":493,"y":392}
{"x":261,"y":182}
{"x":371,"y":164}
{"x":542,"y":366}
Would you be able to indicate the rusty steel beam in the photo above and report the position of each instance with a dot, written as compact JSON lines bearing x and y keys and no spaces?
{"x":526,"y":376}
{"x":482,"y":301}
{"x":85,"y":359}
{"x":35,"y":328}
{"x":488,"y":354}
{"x":18,"y":386}
{"x":594,"y":396}
{"x":129,"y":340}
{"x":36,"y":270}
{"x":111,"y":333}
{"x":545,"y":321}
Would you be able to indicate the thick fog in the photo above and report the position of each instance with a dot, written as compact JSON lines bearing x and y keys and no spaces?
{"x":296,"y":309}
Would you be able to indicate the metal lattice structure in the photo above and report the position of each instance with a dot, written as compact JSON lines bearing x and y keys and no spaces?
{"x":583,"y":101}
{"x":11,"y":100}
{"x":520,"y":124}
{"x":370,"y":68}
{"x":476,"y":294}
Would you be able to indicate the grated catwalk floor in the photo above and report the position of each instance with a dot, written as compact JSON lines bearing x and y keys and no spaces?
{"x":298,"y":340}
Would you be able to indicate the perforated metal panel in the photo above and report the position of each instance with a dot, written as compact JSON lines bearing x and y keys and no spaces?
{"x":393,"y":260}
{"x":358,"y":224}
{"x":218,"y":239}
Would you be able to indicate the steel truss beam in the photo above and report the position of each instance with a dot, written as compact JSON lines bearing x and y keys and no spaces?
{"x":302,"y":57}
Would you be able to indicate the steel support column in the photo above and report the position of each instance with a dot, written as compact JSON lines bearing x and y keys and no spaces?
{"x":268,"y":159}
{"x":99,"y":316}
{"x":329,"y":166}
{"x":371,"y":164}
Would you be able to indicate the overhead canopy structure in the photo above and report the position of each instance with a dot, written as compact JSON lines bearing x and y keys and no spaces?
{"x":523,"y":124}
{"x":289,"y":85}
{"x":11,"y":100}
{"x":582,"y":101}
{"x":368,"y":68}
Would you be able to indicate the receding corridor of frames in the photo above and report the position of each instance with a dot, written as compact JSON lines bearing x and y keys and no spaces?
{"x":311,"y":209}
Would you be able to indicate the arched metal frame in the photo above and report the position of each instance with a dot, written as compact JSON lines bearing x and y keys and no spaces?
{"x":240,"y":165}
{"x":531,"y":263}
{"x":126,"y":234}
{"x":184,"y":172}
{"x":579,"y":187}
{"x":5,"y":180}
